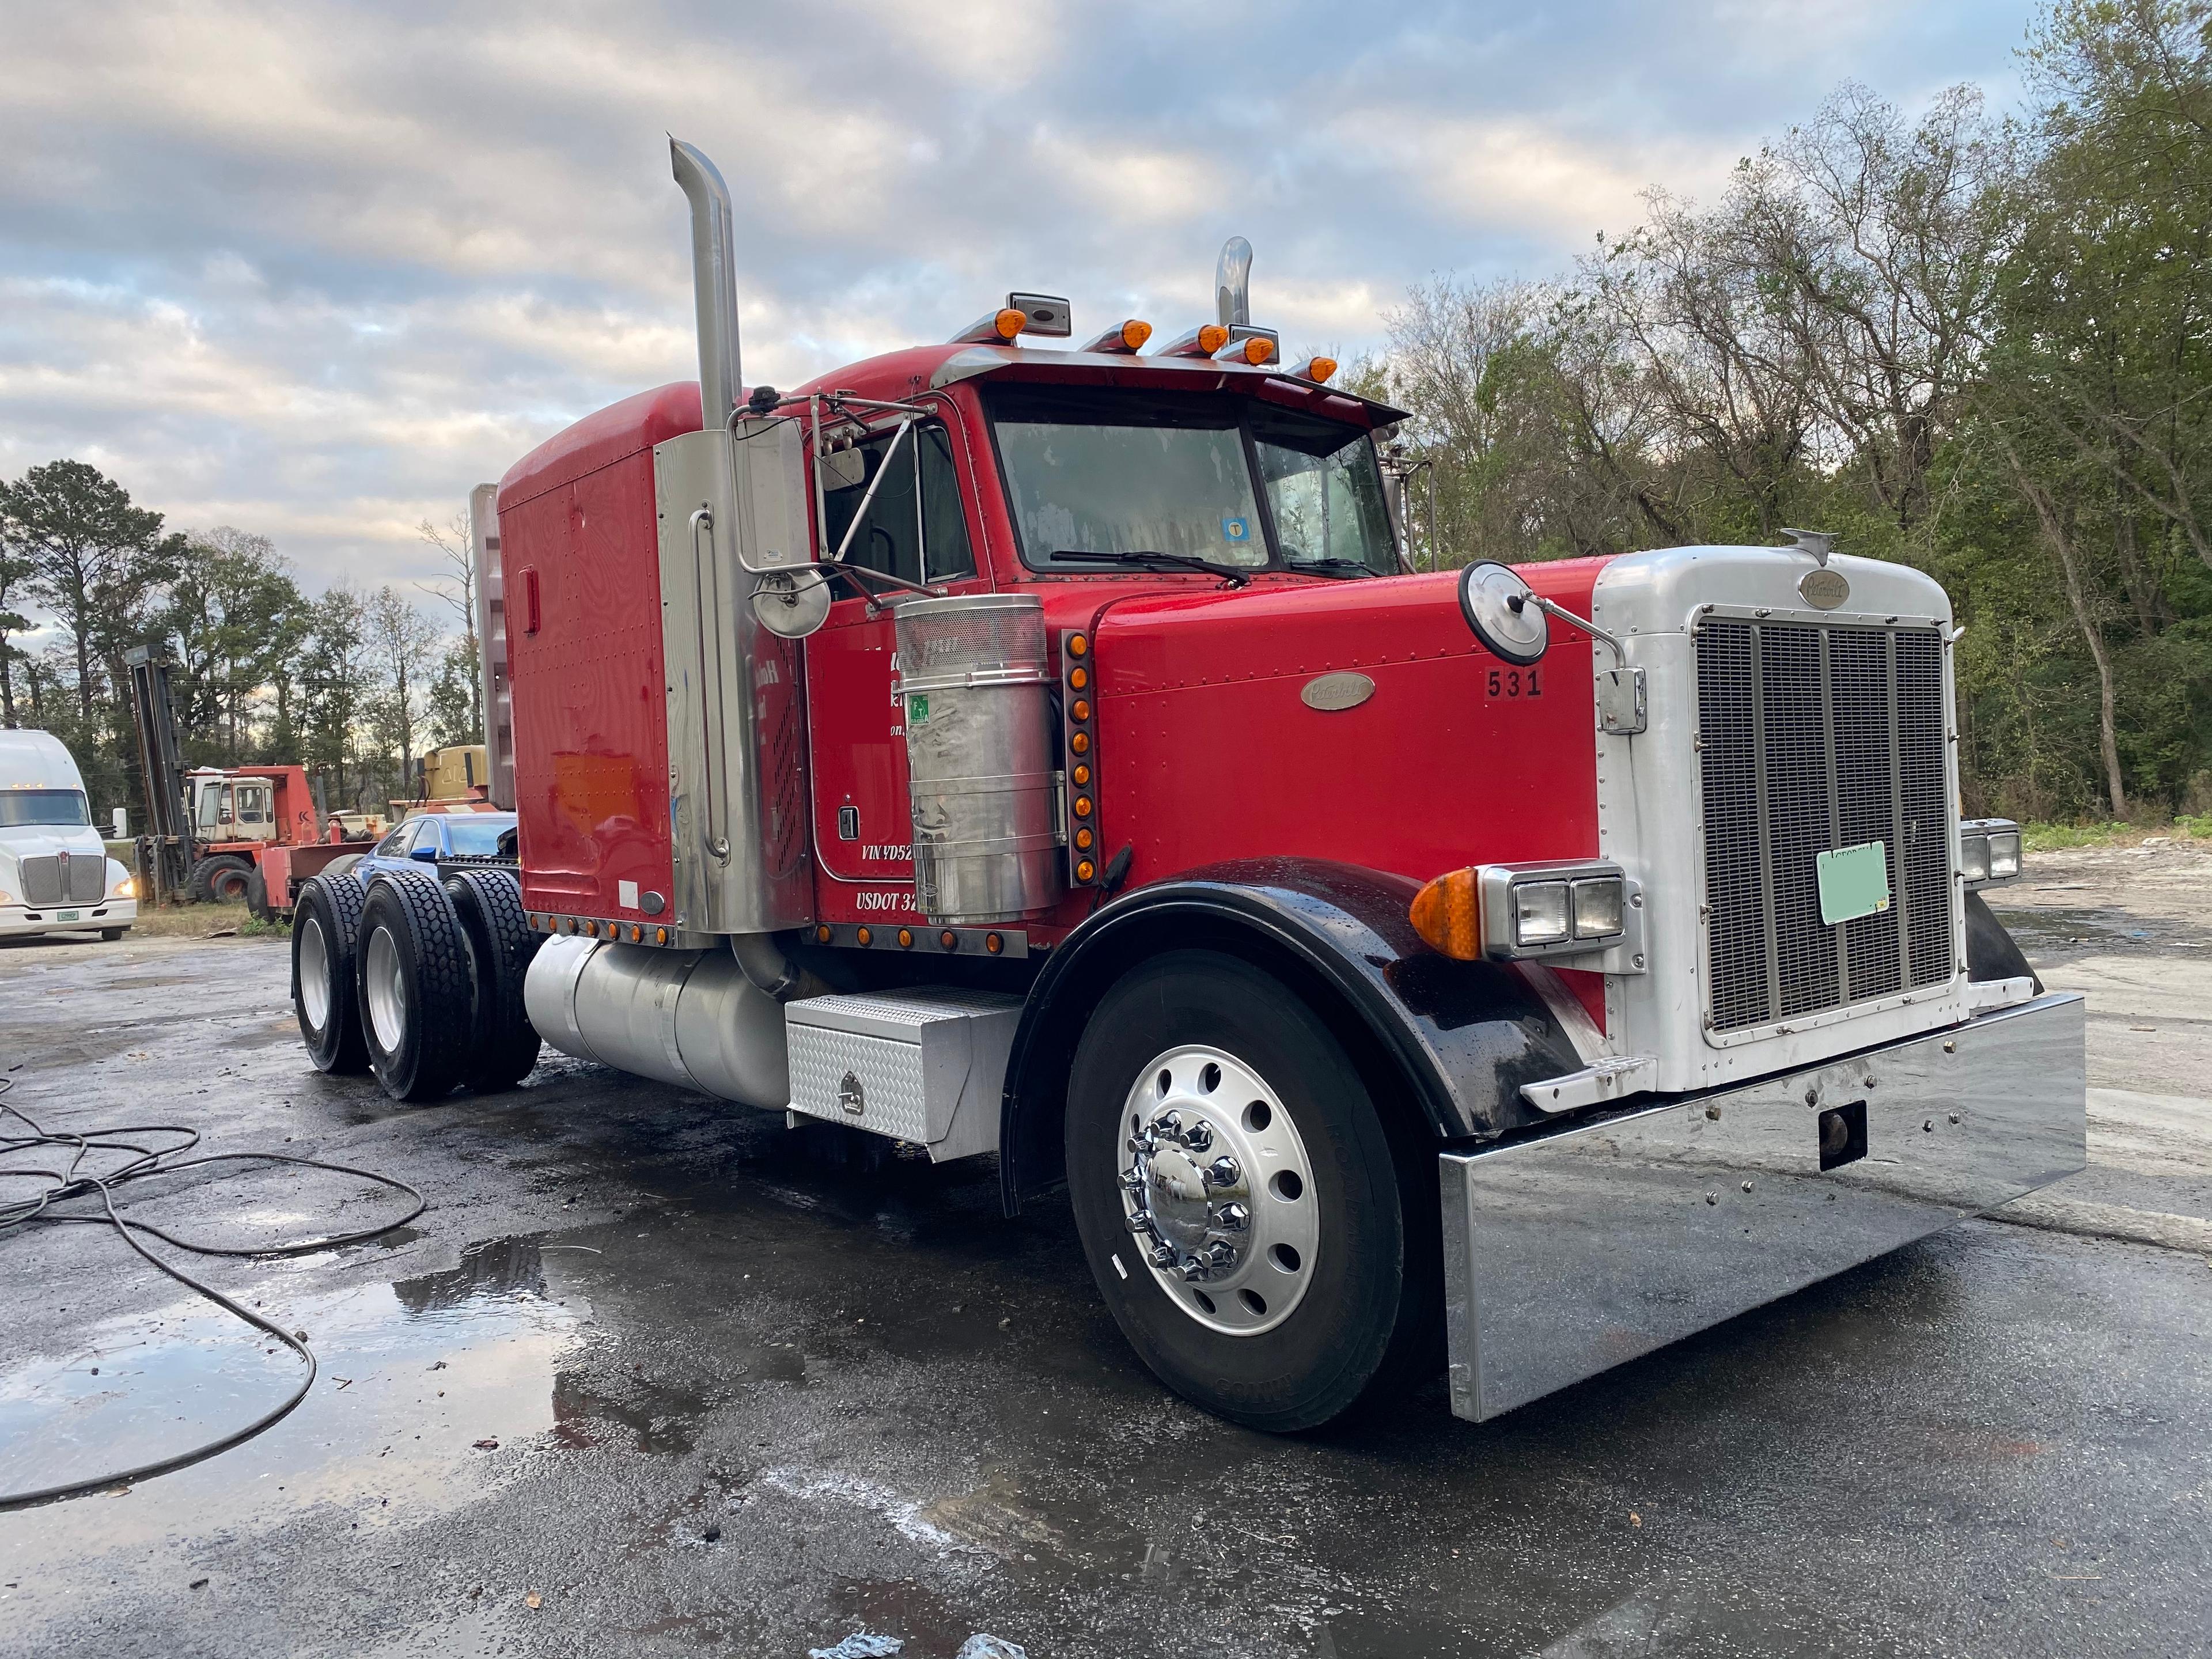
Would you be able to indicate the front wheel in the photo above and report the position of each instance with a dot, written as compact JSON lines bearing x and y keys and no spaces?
{"x":1258,"y":1239}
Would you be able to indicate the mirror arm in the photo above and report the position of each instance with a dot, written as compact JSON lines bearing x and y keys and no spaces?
{"x":1517,"y":601}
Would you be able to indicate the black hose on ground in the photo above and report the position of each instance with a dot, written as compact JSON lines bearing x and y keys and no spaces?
{"x":72,"y":1181}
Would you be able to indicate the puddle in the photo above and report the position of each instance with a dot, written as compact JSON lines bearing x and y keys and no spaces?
{"x":2050,"y":929}
{"x":413,"y":1374}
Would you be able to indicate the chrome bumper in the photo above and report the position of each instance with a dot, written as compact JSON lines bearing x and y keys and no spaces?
{"x":1567,"y":1255}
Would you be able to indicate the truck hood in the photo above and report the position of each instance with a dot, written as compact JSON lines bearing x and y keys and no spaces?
{"x":38,"y":840}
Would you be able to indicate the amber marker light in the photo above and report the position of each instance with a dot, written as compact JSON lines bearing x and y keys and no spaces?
{"x":1079,"y":678}
{"x":1083,"y":839}
{"x":1082,"y":709}
{"x":994,"y":944}
{"x":864,"y":937}
{"x":949,"y":939}
{"x":906,"y":938}
{"x":660,"y":936}
{"x":1259,"y":349}
{"x":1082,"y":776}
{"x":1077,"y":646}
{"x":1083,"y":806}
{"x":1317,"y":368}
{"x":1080,"y":742}
{"x":1084,"y":870}
{"x":821,"y":935}
{"x":1447,"y":916}
{"x":1009,"y":322}
{"x":1212,"y":337}
{"x":1135,"y":333}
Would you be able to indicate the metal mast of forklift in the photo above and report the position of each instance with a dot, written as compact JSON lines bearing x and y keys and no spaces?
{"x":166,"y":851}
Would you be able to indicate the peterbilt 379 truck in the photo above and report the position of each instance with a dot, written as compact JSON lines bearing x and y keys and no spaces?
{"x":1051,"y":754}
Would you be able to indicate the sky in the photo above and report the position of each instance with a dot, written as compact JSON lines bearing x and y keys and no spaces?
{"x":313,"y":270}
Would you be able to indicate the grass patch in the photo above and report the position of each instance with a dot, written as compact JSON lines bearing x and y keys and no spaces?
{"x":2053,"y":837}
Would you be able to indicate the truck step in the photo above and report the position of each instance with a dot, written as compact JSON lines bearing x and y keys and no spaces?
{"x":925,"y":1065}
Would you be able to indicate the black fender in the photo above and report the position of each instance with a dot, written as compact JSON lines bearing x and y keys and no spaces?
{"x":1458,"y":1038}
{"x":1991,"y":952}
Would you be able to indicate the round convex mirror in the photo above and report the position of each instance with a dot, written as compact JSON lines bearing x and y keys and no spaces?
{"x":1503,"y":613}
{"x":793,"y":604}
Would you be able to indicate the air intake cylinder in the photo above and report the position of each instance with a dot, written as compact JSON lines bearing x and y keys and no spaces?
{"x":979,"y":757}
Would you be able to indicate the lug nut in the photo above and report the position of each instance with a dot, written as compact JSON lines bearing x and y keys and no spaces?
{"x":1168,"y":1124}
{"x":1223,"y":1171}
{"x":1198,"y":1136}
{"x":1235,"y":1217}
{"x":1163,"y":1257}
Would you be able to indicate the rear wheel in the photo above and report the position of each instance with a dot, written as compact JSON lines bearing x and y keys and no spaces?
{"x":417,"y":993}
{"x":257,"y":897}
{"x":220,"y":879}
{"x":1257,"y":1239}
{"x":325,"y":927}
{"x":505,"y":1046}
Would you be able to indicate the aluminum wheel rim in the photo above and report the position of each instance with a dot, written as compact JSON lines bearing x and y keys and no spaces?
{"x":1218,"y":1191}
{"x":315,"y":973}
{"x":387,"y":990}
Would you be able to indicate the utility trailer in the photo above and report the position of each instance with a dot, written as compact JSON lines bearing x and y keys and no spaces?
{"x":1049,"y":753}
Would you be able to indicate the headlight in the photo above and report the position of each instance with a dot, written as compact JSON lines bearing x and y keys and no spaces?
{"x":1988,"y":851}
{"x":1540,"y":912}
{"x":126,"y":888}
{"x":1549,"y":909}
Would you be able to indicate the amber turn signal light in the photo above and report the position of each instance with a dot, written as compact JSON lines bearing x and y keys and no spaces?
{"x":1259,"y":349}
{"x":1447,"y":916}
{"x":1212,"y":337}
{"x":1009,"y":322}
{"x":1077,"y":645}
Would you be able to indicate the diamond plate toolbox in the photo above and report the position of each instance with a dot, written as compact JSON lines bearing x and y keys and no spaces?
{"x":925,"y":1065}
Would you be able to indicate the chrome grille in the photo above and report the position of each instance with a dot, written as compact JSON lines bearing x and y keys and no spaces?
{"x":64,"y":880}
{"x":1814,"y":737}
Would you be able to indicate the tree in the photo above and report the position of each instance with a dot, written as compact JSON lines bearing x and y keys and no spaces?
{"x":455,"y":541}
{"x":232,"y":614}
{"x":400,"y":640}
{"x":14,"y":570}
{"x":94,"y":561}
{"x":335,"y":689}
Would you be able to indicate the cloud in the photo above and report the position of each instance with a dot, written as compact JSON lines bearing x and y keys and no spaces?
{"x":316,"y":269}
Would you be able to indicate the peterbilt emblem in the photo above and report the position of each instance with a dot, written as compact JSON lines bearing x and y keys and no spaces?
{"x":1332,"y":692}
{"x":850,"y":1097}
{"x":1825,"y":588}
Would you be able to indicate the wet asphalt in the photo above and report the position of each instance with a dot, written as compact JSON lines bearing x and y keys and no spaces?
{"x":653,"y":1375}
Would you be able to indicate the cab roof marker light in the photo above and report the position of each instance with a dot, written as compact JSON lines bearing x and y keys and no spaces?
{"x":1254,"y":346}
{"x":1124,"y":339}
{"x":1045,"y":315}
{"x":1201,"y":342}
{"x":1319,"y":370}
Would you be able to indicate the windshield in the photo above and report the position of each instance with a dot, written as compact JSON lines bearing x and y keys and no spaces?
{"x":19,"y":807}
{"x":1133,"y":473}
{"x":475,"y":835}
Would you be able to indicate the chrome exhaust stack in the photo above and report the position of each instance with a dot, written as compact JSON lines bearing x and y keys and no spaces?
{"x":713,"y":281}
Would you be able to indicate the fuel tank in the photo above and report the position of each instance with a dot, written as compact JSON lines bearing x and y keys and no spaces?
{"x":689,"y":1017}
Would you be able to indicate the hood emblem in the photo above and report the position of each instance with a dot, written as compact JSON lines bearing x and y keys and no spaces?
{"x":1824,"y":588}
{"x":1331,"y":693}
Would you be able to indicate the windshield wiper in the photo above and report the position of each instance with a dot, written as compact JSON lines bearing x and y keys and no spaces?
{"x":1334,"y":567}
{"x":1143,"y":558}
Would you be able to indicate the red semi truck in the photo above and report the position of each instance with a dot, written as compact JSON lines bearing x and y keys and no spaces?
{"x":1050,"y":754}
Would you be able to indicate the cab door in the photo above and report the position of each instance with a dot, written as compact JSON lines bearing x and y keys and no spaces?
{"x":915,"y":527}
{"x":255,"y":819}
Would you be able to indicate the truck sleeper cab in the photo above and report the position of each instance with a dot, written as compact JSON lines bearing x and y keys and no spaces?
{"x":1047,"y":753}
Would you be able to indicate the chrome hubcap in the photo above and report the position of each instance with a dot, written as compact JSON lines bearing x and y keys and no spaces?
{"x":315,"y":973}
{"x":387,"y":990}
{"x":1218,"y":1191}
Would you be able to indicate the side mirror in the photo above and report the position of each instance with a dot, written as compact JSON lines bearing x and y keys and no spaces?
{"x":122,"y":825}
{"x":425,"y":854}
{"x":1503,"y":613}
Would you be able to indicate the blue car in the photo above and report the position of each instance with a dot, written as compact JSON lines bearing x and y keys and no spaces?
{"x":433,"y":837}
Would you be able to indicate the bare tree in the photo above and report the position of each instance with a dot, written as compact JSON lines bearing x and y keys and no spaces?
{"x":401,"y":641}
{"x":456,"y":544}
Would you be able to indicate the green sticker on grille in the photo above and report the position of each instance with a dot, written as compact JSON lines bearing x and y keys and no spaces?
{"x":917,"y":708}
{"x":1854,"y":881}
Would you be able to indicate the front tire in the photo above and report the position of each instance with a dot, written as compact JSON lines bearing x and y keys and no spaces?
{"x":220,"y":879}
{"x":1323,"y":1295}
{"x":418,"y":997}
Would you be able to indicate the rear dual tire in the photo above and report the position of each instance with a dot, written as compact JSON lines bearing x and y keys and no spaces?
{"x":416,"y":978}
{"x":503,"y":1046}
{"x":325,"y":930}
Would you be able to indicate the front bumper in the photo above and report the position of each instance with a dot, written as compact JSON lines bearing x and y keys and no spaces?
{"x":1571,"y":1253}
{"x":19,"y":921}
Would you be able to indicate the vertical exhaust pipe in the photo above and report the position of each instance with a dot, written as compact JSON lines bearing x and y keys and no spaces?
{"x":713,"y":280}
{"x":1232,"y":284}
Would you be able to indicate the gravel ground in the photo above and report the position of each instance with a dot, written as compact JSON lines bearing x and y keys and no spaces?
{"x":653,"y":1376}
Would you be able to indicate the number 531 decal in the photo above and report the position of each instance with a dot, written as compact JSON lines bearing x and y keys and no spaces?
{"x":1514,"y":682}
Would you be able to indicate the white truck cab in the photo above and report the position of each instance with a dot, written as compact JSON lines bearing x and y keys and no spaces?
{"x":55,"y":873}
